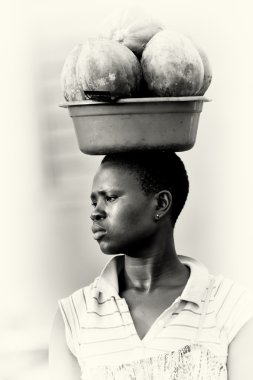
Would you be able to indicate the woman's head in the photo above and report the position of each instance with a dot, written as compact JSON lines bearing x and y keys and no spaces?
{"x":129,"y":190}
{"x":156,"y":171}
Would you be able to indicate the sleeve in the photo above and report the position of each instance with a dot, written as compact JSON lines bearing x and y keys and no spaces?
{"x":66,"y":308}
{"x":236,"y":309}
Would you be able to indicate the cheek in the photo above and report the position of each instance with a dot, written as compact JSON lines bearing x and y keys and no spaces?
{"x":127,"y":228}
{"x":130,"y":219}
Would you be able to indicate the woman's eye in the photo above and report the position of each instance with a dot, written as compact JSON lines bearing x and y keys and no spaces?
{"x":111,"y":199}
{"x":93,"y":204}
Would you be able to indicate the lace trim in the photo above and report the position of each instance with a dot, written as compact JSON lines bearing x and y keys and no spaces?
{"x":193,"y":362}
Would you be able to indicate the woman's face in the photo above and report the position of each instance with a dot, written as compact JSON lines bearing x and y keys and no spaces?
{"x":123,"y":216}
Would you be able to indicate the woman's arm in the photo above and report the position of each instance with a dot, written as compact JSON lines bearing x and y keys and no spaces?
{"x":240,"y":358}
{"x":62,"y":364}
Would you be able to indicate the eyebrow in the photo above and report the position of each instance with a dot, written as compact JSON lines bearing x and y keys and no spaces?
{"x":93,"y":194}
{"x":104,"y":192}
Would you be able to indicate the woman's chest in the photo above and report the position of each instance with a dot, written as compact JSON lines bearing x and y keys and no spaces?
{"x":157,"y":340}
{"x":145,"y":309}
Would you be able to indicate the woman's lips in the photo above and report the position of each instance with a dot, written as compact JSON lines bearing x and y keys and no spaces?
{"x":99,"y":234}
{"x":98,"y":231}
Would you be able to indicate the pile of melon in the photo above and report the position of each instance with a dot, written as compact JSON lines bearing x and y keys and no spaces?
{"x":136,"y":57}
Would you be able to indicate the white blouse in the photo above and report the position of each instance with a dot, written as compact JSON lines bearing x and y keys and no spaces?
{"x":189,"y":340}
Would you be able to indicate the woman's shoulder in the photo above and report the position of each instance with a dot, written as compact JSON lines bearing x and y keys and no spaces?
{"x":228,"y":291}
{"x":72,"y":310}
{"x":79,"y":297}
{"x":233,"y":304}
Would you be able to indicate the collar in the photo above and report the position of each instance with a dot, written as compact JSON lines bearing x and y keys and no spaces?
{"x":198,"y":281}
{"x":194,"y":290}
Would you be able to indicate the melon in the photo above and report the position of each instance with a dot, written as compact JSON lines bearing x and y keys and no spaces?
{"x":207,"y":70}
{"x":106,"y":65}
{"x":72,"y":90}
{"x":131,"y":27}
{"x":172,"y":65}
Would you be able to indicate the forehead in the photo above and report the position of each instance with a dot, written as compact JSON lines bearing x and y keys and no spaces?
{"x":111,"y":176}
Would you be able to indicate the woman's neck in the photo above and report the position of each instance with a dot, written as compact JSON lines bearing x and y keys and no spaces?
{"x":159,"y":267}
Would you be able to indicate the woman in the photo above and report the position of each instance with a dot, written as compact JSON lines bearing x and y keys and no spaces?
{"x":151,"y":314}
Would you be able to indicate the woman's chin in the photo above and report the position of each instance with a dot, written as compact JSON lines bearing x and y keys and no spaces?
{"x":107,"y":249}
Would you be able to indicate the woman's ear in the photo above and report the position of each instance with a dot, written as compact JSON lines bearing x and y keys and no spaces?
{"x":163,"y":203}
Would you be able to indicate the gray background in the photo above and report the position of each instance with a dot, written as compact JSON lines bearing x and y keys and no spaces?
{"x":46,"y":246}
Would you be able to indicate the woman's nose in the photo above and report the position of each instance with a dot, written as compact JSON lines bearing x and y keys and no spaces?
{"x":97,"y":214}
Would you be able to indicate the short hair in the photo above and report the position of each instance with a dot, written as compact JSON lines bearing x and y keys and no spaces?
{"x":156,"y":171}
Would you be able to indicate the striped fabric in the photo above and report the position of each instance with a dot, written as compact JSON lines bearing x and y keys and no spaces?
{"x":189,"y":340}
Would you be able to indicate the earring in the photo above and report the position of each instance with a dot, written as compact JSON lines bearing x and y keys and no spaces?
{"x":157,"y":217}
